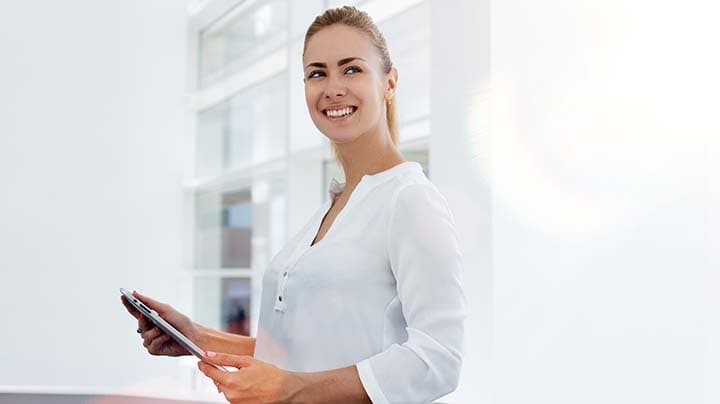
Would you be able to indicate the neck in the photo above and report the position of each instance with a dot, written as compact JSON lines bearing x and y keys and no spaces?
{"x":369,"y":154}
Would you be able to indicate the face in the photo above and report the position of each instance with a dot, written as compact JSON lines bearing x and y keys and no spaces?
{"x":345,"y":86}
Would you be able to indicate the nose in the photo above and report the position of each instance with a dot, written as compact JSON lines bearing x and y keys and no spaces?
{"x":334,"y":88}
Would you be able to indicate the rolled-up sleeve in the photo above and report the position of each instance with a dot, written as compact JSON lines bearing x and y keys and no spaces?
{"x":425,"y":259}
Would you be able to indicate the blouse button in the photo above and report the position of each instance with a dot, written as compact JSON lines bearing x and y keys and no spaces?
{"x":280,"y":298}
{"x":285,"y":274}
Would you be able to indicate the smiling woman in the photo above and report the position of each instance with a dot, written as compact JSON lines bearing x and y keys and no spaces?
{"x":350,"y":309}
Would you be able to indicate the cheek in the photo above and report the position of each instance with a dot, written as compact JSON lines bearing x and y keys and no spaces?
{"x":372,"y":100}
{"x":309,"y":97}
{"x":312,"y":97}
{"x":372,"y":93}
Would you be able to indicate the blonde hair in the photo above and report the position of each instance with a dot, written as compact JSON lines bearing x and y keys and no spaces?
{"x":352,"y":17}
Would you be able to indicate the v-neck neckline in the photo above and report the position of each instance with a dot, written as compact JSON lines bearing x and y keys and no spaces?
{"x":335,"y":189}
{"x":327,"y":211}
{"x":366,"y":182}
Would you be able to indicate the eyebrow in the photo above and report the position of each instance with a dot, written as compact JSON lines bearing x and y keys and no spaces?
{"x":340,"y":62}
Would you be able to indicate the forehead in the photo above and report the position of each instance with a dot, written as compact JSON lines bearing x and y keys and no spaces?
{"x":336,"y":42}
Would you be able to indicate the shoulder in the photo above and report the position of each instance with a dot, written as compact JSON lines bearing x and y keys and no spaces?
{"x":415,"y":186}
{"x":420,"y":219}
{"x":414,"y":195}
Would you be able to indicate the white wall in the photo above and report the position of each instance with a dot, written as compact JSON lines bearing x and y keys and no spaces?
{"x":91,"y":129}
{"x":578,"y":146}
{"x":604,"y":174}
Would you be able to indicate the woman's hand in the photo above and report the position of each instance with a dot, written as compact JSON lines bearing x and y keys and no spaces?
{"x":254,"y":382}
{"x":155,"y":340}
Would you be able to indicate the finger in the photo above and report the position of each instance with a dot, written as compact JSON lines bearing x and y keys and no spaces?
{"x":152,"y":303}
{"x":132,"y":310}
{"x":144,"y":324}
{"x":238,"y":361}
{"x":157,"y":343}
{"x":149,"y":335}
{"x":218,"y":376}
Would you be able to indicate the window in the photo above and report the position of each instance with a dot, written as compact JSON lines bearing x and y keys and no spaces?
{"x":223,"y":303}
{"x":246,"y":129}
{"x":223,"y":230}
{"x":240,"y":37}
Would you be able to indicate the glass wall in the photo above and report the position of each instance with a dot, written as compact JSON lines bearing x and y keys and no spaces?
{"x":223,"y":303}
{"x":248,"y":128}
{"x":223,"y":229}
{"x":239,"y":38}
{"x":236,"y":232}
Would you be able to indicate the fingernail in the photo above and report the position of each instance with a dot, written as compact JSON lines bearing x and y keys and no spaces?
{"x":211,"y":354}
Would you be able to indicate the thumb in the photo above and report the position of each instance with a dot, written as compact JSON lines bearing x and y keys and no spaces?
{"x":238,"y":361}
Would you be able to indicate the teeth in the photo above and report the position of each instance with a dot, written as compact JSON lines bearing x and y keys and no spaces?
{"x":339,"y":112}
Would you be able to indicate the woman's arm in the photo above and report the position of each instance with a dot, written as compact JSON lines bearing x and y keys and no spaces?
{"x":425,"y":259}
{"x":331,"y":386}
{"x":261,"y":382}
{"x":218,"y":341}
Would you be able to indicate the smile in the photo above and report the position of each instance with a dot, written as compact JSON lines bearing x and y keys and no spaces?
{"x":339,"y":113}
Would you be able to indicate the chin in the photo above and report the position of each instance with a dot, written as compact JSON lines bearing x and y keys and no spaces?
{"x":340,"y":138}
{"x":340,"y":134}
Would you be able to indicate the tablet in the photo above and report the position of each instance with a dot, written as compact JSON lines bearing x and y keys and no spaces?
{"x":169,"y":329}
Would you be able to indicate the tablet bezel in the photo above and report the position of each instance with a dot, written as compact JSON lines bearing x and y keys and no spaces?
{"x":166,"y":327}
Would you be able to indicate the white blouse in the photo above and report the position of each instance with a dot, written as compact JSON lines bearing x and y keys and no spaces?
{"x":380,"y":290}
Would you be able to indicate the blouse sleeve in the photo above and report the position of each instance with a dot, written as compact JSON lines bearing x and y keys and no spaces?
{"x":425,"y":259}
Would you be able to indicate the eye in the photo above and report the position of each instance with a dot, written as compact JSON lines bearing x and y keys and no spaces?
{"x":352,"y":70}
{"x":315,"y":73}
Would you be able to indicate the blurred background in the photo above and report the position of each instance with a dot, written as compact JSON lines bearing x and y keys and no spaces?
{"x":165,"y":146}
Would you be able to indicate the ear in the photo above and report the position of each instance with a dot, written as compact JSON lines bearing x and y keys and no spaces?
{"x":391,"y":79}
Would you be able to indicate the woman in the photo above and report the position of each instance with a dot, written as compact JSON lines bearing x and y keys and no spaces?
{"x":364,"y":303}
